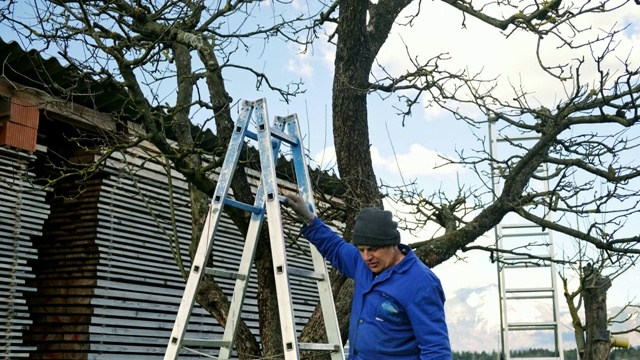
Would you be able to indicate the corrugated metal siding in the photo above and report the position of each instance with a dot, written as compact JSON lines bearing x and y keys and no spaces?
{"x":22,"y":214}
{"x":118,"y":264}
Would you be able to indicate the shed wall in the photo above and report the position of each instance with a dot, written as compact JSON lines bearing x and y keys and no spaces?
{"x":108,"y":286}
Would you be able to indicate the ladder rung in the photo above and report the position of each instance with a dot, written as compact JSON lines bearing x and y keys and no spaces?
{"x":521,"y":262}
{"x":525,"y":234}
{"x":306,"y":273}
{"x":283,"y":137}
{"x":206,"y":343}
{"x":524,"y":297}
{"x":524,"y":266}
{"x":275,"y":133}
{"x":242,"y":206}
{"x":318,"y":347}
{"x":526,"y":262}
{"x":532,"y":290}
{"x":532,"y":326}
{"x":517,"y":138}
{"x":527,"y":258}
{"x":224,"y":274}
{"x":515,"y":258}
{"x":519,"y":226}
{"x":251,"y":135}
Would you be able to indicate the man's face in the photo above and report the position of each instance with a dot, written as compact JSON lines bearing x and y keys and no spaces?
{"x":378,"y":258}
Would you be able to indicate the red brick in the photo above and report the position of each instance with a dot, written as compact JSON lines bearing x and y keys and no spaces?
{"x":18,"y":135}
{"x":24,"y":113}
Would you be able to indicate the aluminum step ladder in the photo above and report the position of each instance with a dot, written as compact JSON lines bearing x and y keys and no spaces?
{"x":522,"y":281}
{"x":267,"y":203}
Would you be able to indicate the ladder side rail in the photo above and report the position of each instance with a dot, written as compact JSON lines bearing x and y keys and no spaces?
{"x":554,"y":284}
{"x":210,"y":225}
{"x":496,"y":189}
{"x":246,"y":262}
{"x":329,"y":314}
{"x":276,"y":234}
{"x":241,"y":284}
{"x":556,"y":315}
{"x":502,"y":288}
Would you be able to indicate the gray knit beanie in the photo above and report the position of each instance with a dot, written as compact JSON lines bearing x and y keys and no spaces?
{"x":375,"y":227}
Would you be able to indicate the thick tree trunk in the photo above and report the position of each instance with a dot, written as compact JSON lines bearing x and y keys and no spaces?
{"x":351,"y":136}
{"x":211,"y":297}
{"x":594,"y":292}
{"x":353,"y":62}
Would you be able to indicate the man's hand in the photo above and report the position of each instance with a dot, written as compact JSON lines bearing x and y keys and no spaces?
{"x":299,"y":206}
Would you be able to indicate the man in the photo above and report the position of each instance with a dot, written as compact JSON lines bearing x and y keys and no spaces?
{"x":398,"y":302}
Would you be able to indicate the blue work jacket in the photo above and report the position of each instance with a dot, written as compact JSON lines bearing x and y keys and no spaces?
{"x":396,"y":315}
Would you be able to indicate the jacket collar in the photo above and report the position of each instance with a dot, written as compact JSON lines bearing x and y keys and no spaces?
{"x":402,"y":266}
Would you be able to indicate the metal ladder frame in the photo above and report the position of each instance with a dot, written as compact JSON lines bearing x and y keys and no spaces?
{"x":508,"y":294}
{"x":267,"y":203}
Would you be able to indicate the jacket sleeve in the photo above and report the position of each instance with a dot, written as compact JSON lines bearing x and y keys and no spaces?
{"x":427,"y":317}
{"x":341,"y":254}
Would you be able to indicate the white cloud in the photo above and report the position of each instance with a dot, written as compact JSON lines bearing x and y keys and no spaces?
{"x":299,"y":65}
{"x":298,"y":4}
{"x":326,"y":50}
{"x":326,"y":159}
{"x":482,"y":48}
{"x":315,"y":60}
{"x":418,"y":161}
{"x":399,"y":210}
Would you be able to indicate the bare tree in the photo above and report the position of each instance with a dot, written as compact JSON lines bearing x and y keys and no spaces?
{"x":595,"y":272}
{"x":588,"y":135}
{"x":139,"y":46}
{"x":169,"y":58}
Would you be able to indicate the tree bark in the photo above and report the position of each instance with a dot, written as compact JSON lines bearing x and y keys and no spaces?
{"x":353,"y":62}
{"x":594,"y":292}
{"x":578,"y":328}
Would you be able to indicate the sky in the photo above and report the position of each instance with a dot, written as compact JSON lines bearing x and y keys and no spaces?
{"x":413,"y":151}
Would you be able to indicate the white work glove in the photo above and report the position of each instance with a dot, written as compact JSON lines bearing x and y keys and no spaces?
{"x":299,"y":206}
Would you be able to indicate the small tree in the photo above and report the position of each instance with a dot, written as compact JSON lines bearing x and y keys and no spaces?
{"x":594,"y":338}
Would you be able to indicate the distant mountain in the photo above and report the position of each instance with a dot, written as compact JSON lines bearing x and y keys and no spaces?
{"x":632,"y":317}
{"x":473,"y":316}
